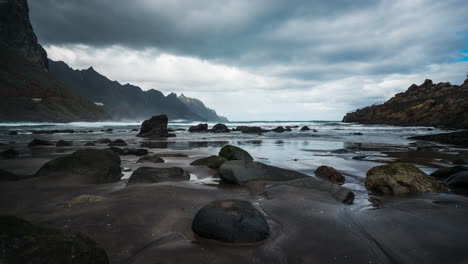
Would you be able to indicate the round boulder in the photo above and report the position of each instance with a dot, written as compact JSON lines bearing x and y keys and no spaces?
{"x":400,"y":178}
{"x":230,"y":152}
{"x":213,"y":162}
{"x":231,"y":221}
{"x":330,"y":174}
{"x":220,"y":128}
{"x":152,"y":175}
{"x":198,"y":128}
{"x":150,"y":158}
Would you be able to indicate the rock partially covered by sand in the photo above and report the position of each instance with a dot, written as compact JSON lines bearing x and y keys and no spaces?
{"x":400,"y":178}
{"x":231,"y":221}
{"x":330,"y":174}
{"x":230,"y":152}
{"x":86,"y":166}
{"x":22,"y":242}
{"x":150,"y":158}
{"x":155,"y":127}
{"x":213,"y":162}
{"x":240,"y":172}
{"x":152,"y":175}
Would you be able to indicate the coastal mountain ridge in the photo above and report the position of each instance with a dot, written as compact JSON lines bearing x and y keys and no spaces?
{"x":428,"y":104}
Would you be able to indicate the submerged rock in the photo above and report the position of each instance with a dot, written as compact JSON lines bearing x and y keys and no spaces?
{"x":231,"y":221}
{"x":150,"y":158}
{"x":22,"y":242}
{"x":446,"y":172}
{"x":39,"y":142}
{"x":198,"y":128}
{"x":118,"y":142}
{"x":330,"y":174}
{"x":152,"y":175}
{"x":240,"y":172}
{"x":63,"y":143}
{"x":155,"y":127}
{"x":220,"y":128}
{"x":213,"y":162}
{"x":10,"y":154}
{"x":400,"y":178}
{"x":230,"y":152}
{"x":343,"y":151}
{"x":86,"y":166}
{"x":453,"y":138}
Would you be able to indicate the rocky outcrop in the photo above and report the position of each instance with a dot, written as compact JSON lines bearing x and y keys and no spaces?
{"x":153,"y":175}
{"x":16,"y":31}
{"x":231,"y":221}
{"x":220,"y":128}
{"x":428,"y":104}
{"x":39,"y":142}
{"x":400,"y":178}
{"x":155,"y":127}
{"x":230,"y":152}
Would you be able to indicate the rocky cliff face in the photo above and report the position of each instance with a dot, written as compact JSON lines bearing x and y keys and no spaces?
{"x":16,"y":31}
{"x":429,"y":104}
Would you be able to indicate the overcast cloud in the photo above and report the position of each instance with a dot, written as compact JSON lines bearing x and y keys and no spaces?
{"x":262,"y":59}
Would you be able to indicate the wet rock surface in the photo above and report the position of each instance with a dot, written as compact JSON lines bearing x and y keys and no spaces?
{"x":230,"y":152}
{"x":155,"y":127}
{"x":152,"y":175}
{"x":198,"y":128}
{"x":213,"y":162}
{"x":330,"y":174}
{"x":151,"y":159}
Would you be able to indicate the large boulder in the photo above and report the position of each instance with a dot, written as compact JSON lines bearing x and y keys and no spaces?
{"x":39,"y":142}
{"x":279,"y":129}
{"x":10,"y":154}
{"x":230,"y":152}
{"x":448,"y":171}
{"x":220,"y":128}
{"x":152,"y":175}
{"x":213,"y":162}
{"x":330,"y":174}
{"x":240,"y":172}
{"x":86,"y":166}
{"x":150,"y":159}
{"x":155,"y":127}
{"x":305,"y":128}
{"x":198,"y":128}
{"x":231,"y":221}
{"x":458,"y":181}
{"x":400,"y":178}
{"x":253,"y":130}
{"x":22,"y":242}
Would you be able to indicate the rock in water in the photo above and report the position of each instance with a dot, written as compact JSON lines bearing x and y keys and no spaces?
{"x":330,"y":174}
{"x":152,"y":175}
{"x":279,"y":129}
{"x":220,"y":128}
{"x":458,"y":181}
{"x":400,"y":178}
{"x":231,"y":221}
{"x":63,"y":143}
{"x":240,"y":172}
{"x":39,"y":142}
{"x":305,"y":128}
{"x":150,"y":158}
{"x":213,"y":162}
{"x":22,"y":242}
{"x":86,"y":166}
{"x":449,"y":171}
{"x":155,"y":127}
{"x":10,"y":154}
{"x":118,"y":142}
{"x":230,"y":152}
{"x":198,"y":128}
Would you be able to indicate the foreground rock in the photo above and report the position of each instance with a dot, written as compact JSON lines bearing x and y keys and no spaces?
{"x":10,"y":154}
{"x":458,"y":181}
{"x":446,"y":172}
{"x":240,"y":172}
{"x":455,"y":138}
{"x":330,"y":174}
{"x":425,"y":105}
{"x":305,"y":128}
{"x":230,"y":152}
{"x":86,"y":166}
{"x":153,"y":175}
{"x":155,"y":127}
{"x":198,"y":128}
{"x":220,"y":128}
{"x":22,"y":242}
{"x":150,"y":158}
{"x":39,"y":142}
{"x":231,"y":221}
{"x":213,"y":162}
{"x":400,"y":178}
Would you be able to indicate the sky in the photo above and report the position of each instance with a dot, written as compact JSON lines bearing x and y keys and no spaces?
{"x":262,"y":59}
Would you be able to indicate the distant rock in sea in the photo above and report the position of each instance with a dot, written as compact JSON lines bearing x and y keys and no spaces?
{"x":429,"y":104}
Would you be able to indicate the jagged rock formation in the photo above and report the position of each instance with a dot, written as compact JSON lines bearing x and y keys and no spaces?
{"x":16,"y":31}
{"x":441,"y":105}
{"x":128,"y":101}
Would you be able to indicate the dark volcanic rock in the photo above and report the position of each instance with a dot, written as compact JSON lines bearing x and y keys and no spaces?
{"x":213,"y":162}
{"x":22,"y":242}
{"x":279,"y":129}
{"x":8,"y":176}
{"x":455,"y":138}
{"x":86,"y":166}
{"x":135,"y":151}
{"x":446,"y":172}
{"x":330,"y":174}
{"x":152,"y":175}
{"x":150,"y":158}
{"x":220,"y":128}
{"x":429,"y":104}
{"x":103,"y":141}
{"x":240,"y":172}
{"x":63,"y":143}
{"x":10,"y":154}
{"x":198,"y":128}
{"x":39,"y":142}
{"x":231,"y":221}
{"x":305,"y":128}
{"x":155,"y":127}
{"x":117,"y":151}
{"x":253,"y":130}
{"x":230,"y":152}
{"x":12,"y":133}
{"x":458,"y":181}
{"x":118,"y":142}
{"x":89,"y":144}
{"x":400,"y":178}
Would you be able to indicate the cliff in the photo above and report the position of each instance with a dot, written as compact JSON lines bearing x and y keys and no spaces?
{"x":429,"y":104}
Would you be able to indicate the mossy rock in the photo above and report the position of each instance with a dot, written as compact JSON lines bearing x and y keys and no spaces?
{"x":85,"y":199}
{"x":213,"y":162}
{"x":448,"y":171}
{"x":22,"y":242}
{"x":230,"y":152}
{"x":399,"y":179}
